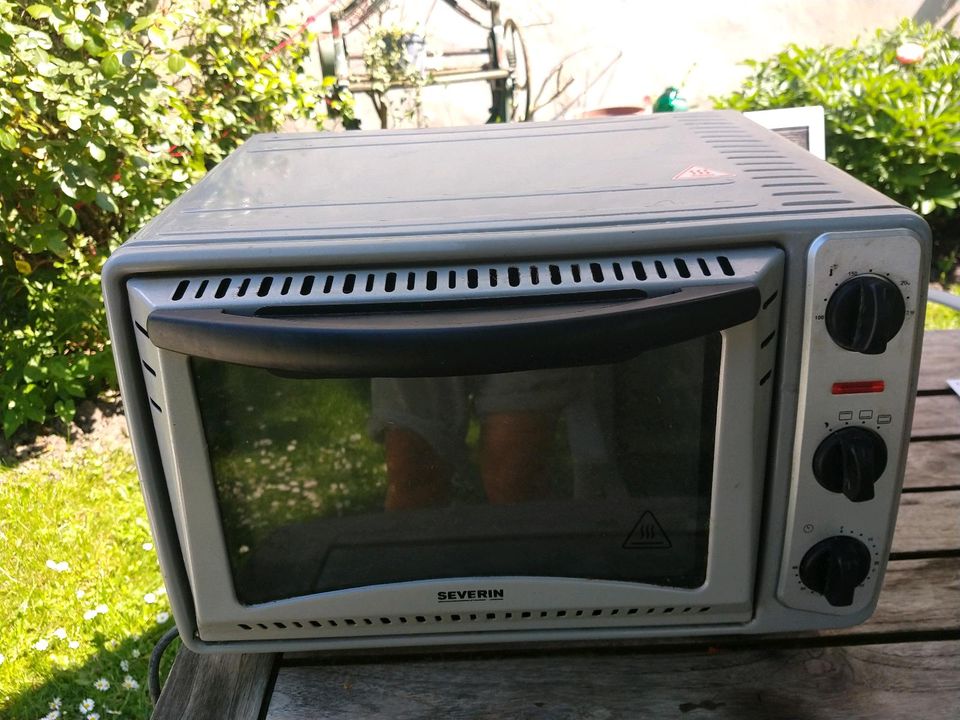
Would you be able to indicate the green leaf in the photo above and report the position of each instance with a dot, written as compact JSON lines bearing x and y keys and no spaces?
{"x":96,"y":152}
{"x":67,"y":215}
{"x":110,"y":66}
{"x":23,"y":267}
{"x":57,"y":244}
{"x":107,"y":203}
{"x":157,"y":36}
{"x":39,"y":11}
{"x":47,"y":69}
{"x":176,"y":63}
{"x":73,"y":38}
{"x":142,"y":24}
{"x":8,"y":141}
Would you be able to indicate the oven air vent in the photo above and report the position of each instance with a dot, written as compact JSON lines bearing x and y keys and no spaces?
{"x":427,"y":283}
{"x":390,"y":624}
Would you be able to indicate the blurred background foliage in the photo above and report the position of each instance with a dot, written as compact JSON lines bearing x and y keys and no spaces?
{"x":892,"y":123}
{"x":108,"y":111}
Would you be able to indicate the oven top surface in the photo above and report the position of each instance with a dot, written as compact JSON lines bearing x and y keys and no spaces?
{"x":324,"y":186}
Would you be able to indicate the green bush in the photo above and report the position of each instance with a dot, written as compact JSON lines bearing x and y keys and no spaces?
{"x":894,"y":125}
{"x":108,"y":111}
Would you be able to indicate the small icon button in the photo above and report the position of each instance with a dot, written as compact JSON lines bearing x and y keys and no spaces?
{"x":884,"y":419}
{"x":866,"y":414}
{"x":846,"y":415}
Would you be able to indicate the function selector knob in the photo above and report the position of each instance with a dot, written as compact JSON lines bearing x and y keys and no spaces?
{"x":835,"y":567}
{"x":865,"y":313}
{"x":850,"y":461}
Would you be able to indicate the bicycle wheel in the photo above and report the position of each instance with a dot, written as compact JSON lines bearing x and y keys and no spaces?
{"x":519,"y":82}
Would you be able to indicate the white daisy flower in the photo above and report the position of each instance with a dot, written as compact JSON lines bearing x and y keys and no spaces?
{"x":52,"y":715}
{"x":41,"y":644}
{"x":147,"y":546}
{"x":89,"y":614}
{"x":55,"y":704}
{"x":87,"y":705}
{"x":130,"y":684}
{"x":162,"y":617}
{"x":59,"y":567}
{"x":135,"y":653}
{"x":124,"y":665}
{"x":150,"y":598}
{"x":93,"y":716}
{"x":80,"y":594}
{"x":73,"y":644}
{"x":2,"y":658}
{"x":60,"y":634}
{"x":101,"y":608}
{"x":102,"y":684}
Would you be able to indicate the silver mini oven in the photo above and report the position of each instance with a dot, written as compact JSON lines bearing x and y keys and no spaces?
{"x":578,"y":380}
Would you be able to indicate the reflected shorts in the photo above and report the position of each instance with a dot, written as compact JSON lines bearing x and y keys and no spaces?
{"x":439,"y":409}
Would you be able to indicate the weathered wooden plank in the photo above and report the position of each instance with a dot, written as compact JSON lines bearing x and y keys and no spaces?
{"x":936,"y":417}
{"x":907,"y":680}
{"x":940,"y":359}
{"x":215,"y":686}
{"x":917,"y":596}
{"x":928,"y":522}
{"x":932,"y":465}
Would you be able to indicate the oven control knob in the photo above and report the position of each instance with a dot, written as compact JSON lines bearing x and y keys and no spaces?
{"x":850,"y":461}
{"x":835,"y":567}
{"x":865,"y":313}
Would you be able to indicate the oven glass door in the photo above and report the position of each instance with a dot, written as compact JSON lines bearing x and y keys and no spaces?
{"x":600,"y":472}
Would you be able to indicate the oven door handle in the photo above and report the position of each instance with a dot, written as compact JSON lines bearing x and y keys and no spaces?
{"x":443,"y":341}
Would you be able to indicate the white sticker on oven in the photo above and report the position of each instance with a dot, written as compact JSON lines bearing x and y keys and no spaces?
{"x":647,"y":534}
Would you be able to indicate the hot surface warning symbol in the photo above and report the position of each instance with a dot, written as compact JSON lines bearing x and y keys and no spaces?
{"x":646,"y":534}
{"x":696,"y":172}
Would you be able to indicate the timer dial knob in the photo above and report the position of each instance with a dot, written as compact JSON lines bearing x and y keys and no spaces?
{"x":865,"y":313}
{"x":850,"y":461}
{"x":835,"y":567}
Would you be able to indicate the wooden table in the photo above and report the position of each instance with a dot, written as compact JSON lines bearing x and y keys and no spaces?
{"x":904,"y":662}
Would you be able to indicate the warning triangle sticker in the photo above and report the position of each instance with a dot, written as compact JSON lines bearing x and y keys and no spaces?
{"x":698,"y":172}
{"x":647,"y":534}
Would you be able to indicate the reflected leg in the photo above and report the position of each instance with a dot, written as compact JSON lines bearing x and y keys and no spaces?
{"x":515,"y":452}
{"x":416,"y":476}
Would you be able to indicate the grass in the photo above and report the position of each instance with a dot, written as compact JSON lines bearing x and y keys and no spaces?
{"x":81,"y":597}
{"x":940,"y":317}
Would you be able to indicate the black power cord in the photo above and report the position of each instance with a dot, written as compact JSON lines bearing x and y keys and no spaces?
{"x":153,"y":671}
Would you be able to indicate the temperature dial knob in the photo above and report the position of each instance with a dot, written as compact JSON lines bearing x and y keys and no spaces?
{"x":835,"y":567}
{"x":850,"y":461}
{"x":865,"y":313}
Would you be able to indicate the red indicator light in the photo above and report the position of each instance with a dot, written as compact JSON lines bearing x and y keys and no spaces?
{"x":856,"y":387}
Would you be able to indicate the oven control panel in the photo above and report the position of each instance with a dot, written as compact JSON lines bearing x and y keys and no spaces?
{"x":861,"y":313}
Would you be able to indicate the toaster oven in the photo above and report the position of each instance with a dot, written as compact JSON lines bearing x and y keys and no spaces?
{"x":578,"y":380}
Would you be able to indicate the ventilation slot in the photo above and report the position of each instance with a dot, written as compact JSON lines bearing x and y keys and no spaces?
{"x":766,"y":377}
{"x":148,"y":368}
{"x":287,"y":283}
{"x":156,"y":405}
{"x":513,"y":276}
{"x":523,"y":616}
{"x":371,"y":279}
{"x":575,"y":272}
{"x":222,"y":288}
{"x":431,"y":280}
{"x":798,"y":184}
{"x":473,"y":278}
{"x":328,"y":283}
{"x":391,"y":282}
{"x":769,"y":300}
{"x":638,"y":270}
{"x":534,"y":275}
{"x":682,"y":267}
{"x":817,"y":202}
{"x":140,"y":328}
{"x":242,"y":290}
{"x":306,"y":287}
{"x":452,"y":281}
{"x":202,"y":289}
{"x":181,"y":289}
{"x":725,"y":265}
{"x":555,"y":275}
{"x":806,"y":192}
{"x":767,"y":340}
{"x":618,"y":271}
{"x":597,"y":272}
{"x":264,"y":286}
{"x":661,"y":271}
{"x":704,"y":268}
